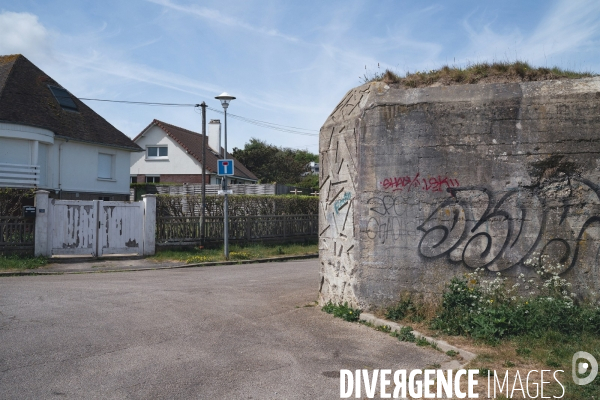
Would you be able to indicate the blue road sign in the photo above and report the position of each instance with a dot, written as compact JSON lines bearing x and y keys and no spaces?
{"x":225,"y":167}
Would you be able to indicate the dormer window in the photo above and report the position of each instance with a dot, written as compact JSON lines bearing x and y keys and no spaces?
{"x":157,"y":153}
{"x":64,"y":98}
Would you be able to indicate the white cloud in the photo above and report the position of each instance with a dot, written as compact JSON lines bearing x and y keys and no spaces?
{"x":569,"y":26}
{"x":216,"y":16}
{"x":22,"y":33}
{"x":106,"y":64}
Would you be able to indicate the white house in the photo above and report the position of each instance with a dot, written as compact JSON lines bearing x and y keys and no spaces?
{"x":174,"y":155}
{"x":50,"y":140}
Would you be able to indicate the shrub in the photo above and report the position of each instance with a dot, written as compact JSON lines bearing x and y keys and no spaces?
{"x":12,"y":200}
{"x":401,"y":310}
{"x":239,"y":205}
{"x":489,"y":310}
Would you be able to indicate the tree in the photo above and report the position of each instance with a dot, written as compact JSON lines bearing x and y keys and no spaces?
{"x":274,"y":164}
{"x":310,"y":181}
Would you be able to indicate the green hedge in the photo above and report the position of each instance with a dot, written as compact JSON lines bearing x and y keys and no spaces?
{"x":239,"y":205}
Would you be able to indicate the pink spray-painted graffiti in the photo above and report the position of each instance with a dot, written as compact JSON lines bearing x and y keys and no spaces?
{"x":431,"y":184}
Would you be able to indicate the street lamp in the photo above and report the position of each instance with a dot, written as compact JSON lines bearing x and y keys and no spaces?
{"x":225,"y":99}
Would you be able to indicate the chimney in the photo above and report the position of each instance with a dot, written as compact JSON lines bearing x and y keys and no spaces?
{"x":214,"y":135}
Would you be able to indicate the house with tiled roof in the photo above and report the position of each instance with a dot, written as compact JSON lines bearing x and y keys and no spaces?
{"x":51,"y":140}
{"x":174,"y":155}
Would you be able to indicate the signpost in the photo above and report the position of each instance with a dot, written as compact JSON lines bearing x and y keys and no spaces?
{"x":225,"y":167}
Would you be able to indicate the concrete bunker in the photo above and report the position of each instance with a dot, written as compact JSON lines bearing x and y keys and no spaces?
{"x":420,"y":185}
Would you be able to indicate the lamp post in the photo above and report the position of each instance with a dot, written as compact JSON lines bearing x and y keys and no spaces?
{"x":225,"y":99}
{"x":202,"y":224}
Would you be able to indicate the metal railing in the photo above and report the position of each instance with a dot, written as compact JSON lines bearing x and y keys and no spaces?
{"x":260,"y":228}
{"x":16,"y":234}
{"x":19,"y":175}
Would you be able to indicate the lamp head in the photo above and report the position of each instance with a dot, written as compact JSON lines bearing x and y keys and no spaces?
{"x":225,"y":99}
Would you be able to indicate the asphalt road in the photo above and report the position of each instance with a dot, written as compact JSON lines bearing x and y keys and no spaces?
{"x":225,"y":332}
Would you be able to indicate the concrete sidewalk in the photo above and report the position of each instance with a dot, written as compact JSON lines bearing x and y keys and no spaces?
{"x":81,"y":265}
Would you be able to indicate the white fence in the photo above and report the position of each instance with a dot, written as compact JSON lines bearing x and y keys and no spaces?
{"x":94,"y":228}
{"x":254,"y":189}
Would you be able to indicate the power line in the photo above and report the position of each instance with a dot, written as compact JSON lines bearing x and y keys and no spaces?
{"x":262,"y":124}
{"x":268,"y":125}
{"x":144,"y":103}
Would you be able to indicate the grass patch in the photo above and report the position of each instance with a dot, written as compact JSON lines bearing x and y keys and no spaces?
{"x":236,"y":252}
{"x":17,"y":262}
{"x":342,"y":311}
{"x":405,"y":334}
{"x":496,"y":72}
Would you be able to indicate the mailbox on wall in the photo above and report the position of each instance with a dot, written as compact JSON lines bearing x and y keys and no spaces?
{"x":28,"y":212}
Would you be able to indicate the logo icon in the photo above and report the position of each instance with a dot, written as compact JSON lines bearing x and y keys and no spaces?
{"x":581,"y":367}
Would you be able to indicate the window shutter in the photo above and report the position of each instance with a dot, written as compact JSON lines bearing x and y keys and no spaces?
{"x":104,"y":166}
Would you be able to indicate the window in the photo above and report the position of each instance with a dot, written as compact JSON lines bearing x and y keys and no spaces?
{"x":64,"y":98}
{"x":152,"y":179}
{"x":157,"y":152}
{"x":133,"y":179}
{"x":105,"y":166}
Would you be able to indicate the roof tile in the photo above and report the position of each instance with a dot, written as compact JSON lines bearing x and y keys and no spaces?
{"x":192,"y":143}
{"x":25,"y":98}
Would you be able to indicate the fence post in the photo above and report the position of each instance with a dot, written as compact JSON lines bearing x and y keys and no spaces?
{"x":249,"y":220}
{"x":149,"y":224}
{"x":41,"y":204}
{"x":284,"y":226}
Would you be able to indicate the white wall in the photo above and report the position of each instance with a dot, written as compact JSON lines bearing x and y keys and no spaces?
{"x":179,"y":162}
{"x":18,"y":146}
{"x":79,"y":168}
{"x":15,"y":151}
{"x":78,"y":161}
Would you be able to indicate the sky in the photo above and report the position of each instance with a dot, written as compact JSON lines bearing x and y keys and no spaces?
{"x":287,"y":62}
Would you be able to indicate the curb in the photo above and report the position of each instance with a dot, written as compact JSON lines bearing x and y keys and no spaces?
{"x":443,"y":345}
{"x":206,"y":264}
{"x":74,"y":260}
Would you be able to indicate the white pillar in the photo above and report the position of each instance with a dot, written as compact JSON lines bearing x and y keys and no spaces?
{"x":34,"y":152}
{"x":149,"y":224}
{"x":41,"y":203}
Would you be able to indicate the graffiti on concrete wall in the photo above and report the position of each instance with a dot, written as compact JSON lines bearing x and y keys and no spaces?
{"x":481,"y":228}
{"x":343,"y":202}
{"x":388,"y":220}
{"x":416,"y":182}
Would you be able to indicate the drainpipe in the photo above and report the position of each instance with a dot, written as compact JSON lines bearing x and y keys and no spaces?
{"x":59,"y":158}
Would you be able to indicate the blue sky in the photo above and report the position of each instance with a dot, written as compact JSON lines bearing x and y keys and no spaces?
{"x":287,"y":62}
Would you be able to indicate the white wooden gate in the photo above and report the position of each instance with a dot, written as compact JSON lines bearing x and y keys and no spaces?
{"x":121,"y":228}
{"x":95,"y":227}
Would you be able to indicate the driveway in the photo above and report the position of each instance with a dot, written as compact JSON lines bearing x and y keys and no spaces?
{"x":225,"y":332}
